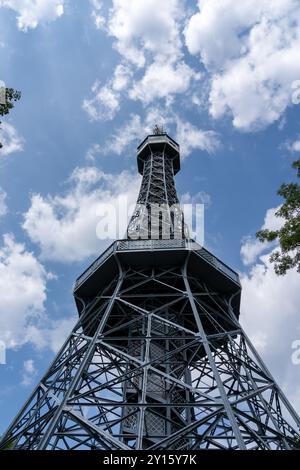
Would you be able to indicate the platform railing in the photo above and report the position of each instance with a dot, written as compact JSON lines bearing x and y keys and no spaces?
{"x":156,"y":245}
{"x":157,"y":139}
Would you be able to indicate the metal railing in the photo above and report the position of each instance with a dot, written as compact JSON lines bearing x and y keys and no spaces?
{"x":204,"y":254}
{"x":124,"y":245}
{"x":157,"y":139}
{"x":94,"y":266}
{"x":151,"y":245}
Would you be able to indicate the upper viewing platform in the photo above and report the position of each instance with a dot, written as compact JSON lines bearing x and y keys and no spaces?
{"x":158,"y":143}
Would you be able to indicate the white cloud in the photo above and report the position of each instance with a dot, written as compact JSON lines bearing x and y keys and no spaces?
{"x":22,"y":291}
{"x":64,"y":226}
{"x":10,"y":139}
{"x":2,"y":90}
{"x":270,"y":316}
{"x":147,"y":35}
{"x":134,"y":130}
{"x":251,"y":247}
{"x":3,"y":207}
{"x":147,"y":27}
{"x":122,"y":75}
{"x":270,"y":309}
{"x":52,"y":334}
{"x":162,"y":80}
{"x":272,"y":222}
{"x":192,"y":138}
{"x":131,"y":131}
{"x":29,"y":372}
{"x":225,"y":18}
{"x":98,"y":18}
{"x":92,"y":152}
{"x":252,"y":51}
{"x":30,"y":13}
{"x":294,"y":146}
{"x":105,"y":103}
{"x":187,"y":135}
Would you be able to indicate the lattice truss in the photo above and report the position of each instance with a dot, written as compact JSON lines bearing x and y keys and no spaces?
{"x":156,"y":361}
{"x":157,"y":213}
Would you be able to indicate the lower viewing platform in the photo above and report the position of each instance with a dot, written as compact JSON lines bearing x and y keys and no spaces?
{"x":201,"y":263}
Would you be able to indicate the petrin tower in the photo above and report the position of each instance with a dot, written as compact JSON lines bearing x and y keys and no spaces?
{"x":158,"y":359}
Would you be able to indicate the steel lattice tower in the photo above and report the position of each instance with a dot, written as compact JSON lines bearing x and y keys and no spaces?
{"x":158,"y":359}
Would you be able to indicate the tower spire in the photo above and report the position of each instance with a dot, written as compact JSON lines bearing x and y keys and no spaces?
{"x":158,"y":129}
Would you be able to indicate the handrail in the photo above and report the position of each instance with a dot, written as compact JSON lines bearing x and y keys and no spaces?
{"x":151,"y":245}
{"x":158,"y":136}
{"x":158,"y":139}
{"x":98,"y":261}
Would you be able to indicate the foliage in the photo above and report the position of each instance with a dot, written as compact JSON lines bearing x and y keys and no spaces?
{"x":11,"y":96}
{"x":288,"y":236}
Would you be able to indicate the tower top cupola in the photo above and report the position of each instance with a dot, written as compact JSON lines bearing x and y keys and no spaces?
{"x":160,"y":142}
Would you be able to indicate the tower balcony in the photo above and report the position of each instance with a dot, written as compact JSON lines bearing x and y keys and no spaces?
{"x":202,"y":264}
{"x":158,"y":143}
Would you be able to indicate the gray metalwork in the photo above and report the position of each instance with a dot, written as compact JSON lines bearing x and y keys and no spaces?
{"x":157,"y":360}
{"x":145,"y":245}
{"x":157,"y":214}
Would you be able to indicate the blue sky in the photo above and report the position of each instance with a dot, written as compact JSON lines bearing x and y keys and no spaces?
{"x":95,"y":77}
